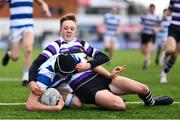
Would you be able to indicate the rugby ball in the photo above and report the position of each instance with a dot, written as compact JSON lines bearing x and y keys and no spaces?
{"x":50,"y":97}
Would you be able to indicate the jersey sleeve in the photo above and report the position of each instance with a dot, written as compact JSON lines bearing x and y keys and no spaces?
{"x":99,"y":57}
{"x":50,"y":50}
{"x":35,"y":66}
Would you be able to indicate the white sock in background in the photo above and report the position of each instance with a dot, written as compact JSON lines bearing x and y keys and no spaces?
{"x":25,"y":75}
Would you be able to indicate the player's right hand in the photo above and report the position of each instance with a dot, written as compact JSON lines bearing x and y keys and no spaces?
{"x":35,"y":88}
{"x":60,"y":104}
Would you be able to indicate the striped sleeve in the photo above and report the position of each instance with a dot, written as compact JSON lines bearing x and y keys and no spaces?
{"x":170,"y":5}
{"x":45,"y":80}
{"x":99,"y":58}
{"x":89,"y":50}
{"x":142,"y":20}
{"x":52,"y":49}
{"x":45,"y":76}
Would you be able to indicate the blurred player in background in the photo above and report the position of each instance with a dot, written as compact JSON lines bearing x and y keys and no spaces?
{"x":150,"y":26}
{"x":161,"y":36}
{"x":112,"y":30}
{"x":173,"y":41}
{"x":21,"y":28}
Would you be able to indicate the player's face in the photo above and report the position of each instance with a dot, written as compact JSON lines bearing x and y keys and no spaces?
{"x":165,"y":14}
{"x":114,"y":10}
{"x":152,"y":9}
{"x":68,"y":30}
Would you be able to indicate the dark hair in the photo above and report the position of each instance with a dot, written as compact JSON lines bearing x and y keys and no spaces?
{"x":151,"y":5}
{"x":165,"y":10}
{"x":70,"y":16}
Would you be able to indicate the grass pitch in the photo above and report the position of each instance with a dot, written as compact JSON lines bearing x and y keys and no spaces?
{"x":13,"y":95}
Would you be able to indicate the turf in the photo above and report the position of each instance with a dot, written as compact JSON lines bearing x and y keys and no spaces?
{"x":11,"y":91}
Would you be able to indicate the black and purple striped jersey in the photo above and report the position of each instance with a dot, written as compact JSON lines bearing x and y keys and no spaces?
{"x":76,"y":46}
{"x":174,"y":6}
{"x":150,"y":22}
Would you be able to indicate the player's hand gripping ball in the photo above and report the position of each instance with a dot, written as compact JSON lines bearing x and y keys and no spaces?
{"x":50,"y":97}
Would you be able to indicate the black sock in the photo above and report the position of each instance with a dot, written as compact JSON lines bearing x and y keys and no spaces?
{"x":148,"y":98}
{"x":169,"y":65}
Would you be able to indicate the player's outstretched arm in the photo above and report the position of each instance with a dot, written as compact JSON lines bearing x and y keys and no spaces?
{"x":2,"y":3}
{"x":117,"y":70}
{"x":44,"y":7}
{"x":101,"y":70}
{"x":33,"y":104}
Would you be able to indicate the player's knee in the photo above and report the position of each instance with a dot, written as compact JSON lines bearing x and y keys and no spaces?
{"x":144,"y":89}
{"x":119,"y":105}
{"x":14,"y":57}
{"x":170,"y":45}
{"x":28,"y":50}
{"x":170,"y":50}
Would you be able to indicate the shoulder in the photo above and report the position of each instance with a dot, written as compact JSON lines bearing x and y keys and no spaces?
{"x":49,"y":62}
{"x":82,"y":42}
{"x":56,"y":43}
{"x":107,"y":15}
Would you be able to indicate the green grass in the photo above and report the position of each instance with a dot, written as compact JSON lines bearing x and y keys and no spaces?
{"x":11,"y":91}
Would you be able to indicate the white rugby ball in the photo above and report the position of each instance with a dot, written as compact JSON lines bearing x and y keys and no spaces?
{"x":50,"y":97}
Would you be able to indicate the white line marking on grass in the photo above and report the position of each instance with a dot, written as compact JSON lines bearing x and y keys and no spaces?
{"x":15,"y":104}
{"x":143,"y":102}
{"x":12,"y":104}
{"x":9,"y":79}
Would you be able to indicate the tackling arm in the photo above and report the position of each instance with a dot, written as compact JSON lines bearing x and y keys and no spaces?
{"x":33,"y":104}
{"x":101,"y":70}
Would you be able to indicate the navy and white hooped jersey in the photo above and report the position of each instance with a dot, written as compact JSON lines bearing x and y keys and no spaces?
{"x":47,"y":76}
{"x":150,"y":22}
{"x":111,"y":21}
{"x":165,"y":23}
{"x":21,"y":13}
{"x":79,"y":49}
{"x":175,"y":8}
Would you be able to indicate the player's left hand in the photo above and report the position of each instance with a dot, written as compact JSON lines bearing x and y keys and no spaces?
{"x":157,"y":29}
{"x":83,"y":66}
{"x":117,"y":70}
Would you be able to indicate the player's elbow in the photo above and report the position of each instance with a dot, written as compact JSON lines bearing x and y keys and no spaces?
{"x":29,"y":106}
